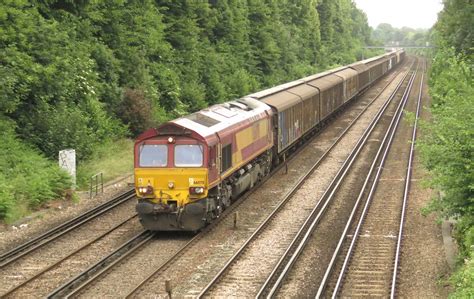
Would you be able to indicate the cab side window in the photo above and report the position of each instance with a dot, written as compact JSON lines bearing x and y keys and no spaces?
{"x":226,"y":157}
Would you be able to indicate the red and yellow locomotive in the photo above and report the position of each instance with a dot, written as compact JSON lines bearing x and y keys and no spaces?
{"x":188,"y":170}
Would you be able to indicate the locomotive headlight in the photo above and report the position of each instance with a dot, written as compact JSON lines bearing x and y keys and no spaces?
{"x":145,"y":190}
{"x":196,"y":190}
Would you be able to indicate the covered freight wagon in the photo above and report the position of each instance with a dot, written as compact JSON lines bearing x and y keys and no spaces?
{"x":363,"y":74}
{"x":331,"y":89}
{"x":296,"y":111}
{"x":350,"y":83}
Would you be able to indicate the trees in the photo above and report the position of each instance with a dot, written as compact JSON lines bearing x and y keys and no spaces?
{"x":74,"y":74}
{"x":388,"y":35}
{"x":454,"y":26}
{"x":52,"y":89}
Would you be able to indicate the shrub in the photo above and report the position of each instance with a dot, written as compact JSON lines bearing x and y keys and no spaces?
{"x":136,"y":111}
{"x":26,"y":177}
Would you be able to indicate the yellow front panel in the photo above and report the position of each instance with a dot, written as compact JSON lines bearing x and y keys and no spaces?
{"x":172,"y":183}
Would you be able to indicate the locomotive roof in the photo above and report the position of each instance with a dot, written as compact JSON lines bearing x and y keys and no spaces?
{"x":219,"y":117}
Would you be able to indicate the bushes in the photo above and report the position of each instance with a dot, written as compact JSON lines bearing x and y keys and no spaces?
{"x":447,"y":151}
{"x":136,"y":111}
{"x":26,"y":177}
{"x":463,"y":280}
{"x":52,"y":88}
{"x":448,"y":148}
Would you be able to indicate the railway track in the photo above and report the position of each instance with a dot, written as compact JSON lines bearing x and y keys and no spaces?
{"x":107,"y":268}
{"x":149,"y":285}
{"x":107,"y":264}
{"x":225,"y":277}
{"x":41,"y":261}
{"x":86,"y":280}
{"x":58,"y":231}
{"x":81,"y":281}
{"x":366,"y":260}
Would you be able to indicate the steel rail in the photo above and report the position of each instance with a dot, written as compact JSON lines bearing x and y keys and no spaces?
{"x":162,"y":266}
{"x":48,"y":268}
{"x":68,"y":286}
{"x":76,"y":286}
{"x":170,"y":260}
{"x":390,"y":133}
{"x":58,"y":231}
{"x":406,"y":190}
{"x":84,"y":278}
{"x":286,"y":198}
{"x":286,"y":262}
{"x":241,"y":200}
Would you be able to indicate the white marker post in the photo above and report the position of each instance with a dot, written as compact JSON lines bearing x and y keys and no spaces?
{"x":67,"y":161}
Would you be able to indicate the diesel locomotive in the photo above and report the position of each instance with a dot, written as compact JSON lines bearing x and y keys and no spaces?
{"x":188,"y":170}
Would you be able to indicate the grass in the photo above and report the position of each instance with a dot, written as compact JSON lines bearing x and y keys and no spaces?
{"x":113,"y":159}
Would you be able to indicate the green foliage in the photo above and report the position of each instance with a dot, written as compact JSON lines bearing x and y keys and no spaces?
{"x":463,"y":280}
{"x":26,"y":177}
{"x":52,"y":89}
{"x":454,"y":26}
{"x":448,"y":147}
{"x":136,"y":111}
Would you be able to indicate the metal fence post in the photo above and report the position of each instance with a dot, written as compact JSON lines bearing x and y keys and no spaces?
{"x":94,"y":184}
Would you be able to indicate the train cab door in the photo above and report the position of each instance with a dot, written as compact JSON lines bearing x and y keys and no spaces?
{"x":213,"y":163}
{"x":218,"y":156}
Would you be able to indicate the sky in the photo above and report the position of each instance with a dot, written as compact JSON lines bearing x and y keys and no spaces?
{"x":399,"y":13}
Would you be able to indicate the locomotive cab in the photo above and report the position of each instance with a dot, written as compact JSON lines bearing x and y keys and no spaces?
{"x":171,"y":180}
